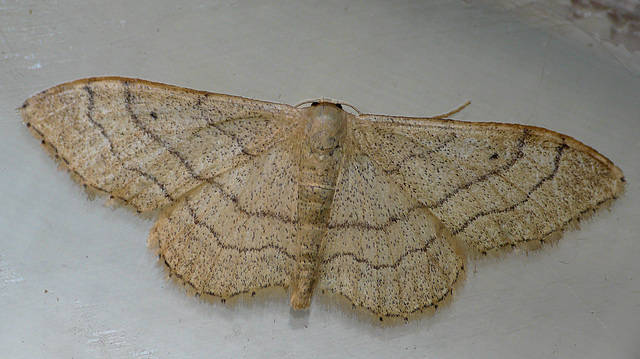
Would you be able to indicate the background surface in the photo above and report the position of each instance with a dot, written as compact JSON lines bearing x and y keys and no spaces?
{"x":77,"y":279}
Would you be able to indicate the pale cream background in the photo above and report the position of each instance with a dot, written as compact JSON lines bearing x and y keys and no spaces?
{"x":76,"y":278}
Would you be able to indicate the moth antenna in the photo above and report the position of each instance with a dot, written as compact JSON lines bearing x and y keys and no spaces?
{"x":327,"y":100}
{"x":453,"y":112}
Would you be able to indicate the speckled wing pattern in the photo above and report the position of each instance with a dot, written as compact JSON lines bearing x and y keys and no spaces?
{"x":236,"y":233}
{"x":492,"y":185}
{"x":214,"y":160}
{"x":417,"y":196}
{"x":148,"y":144}
{"x":385,"y":251}
{"x":390,"y":233}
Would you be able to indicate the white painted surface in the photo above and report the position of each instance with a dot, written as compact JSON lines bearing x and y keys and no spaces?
{"x":76,"y":278}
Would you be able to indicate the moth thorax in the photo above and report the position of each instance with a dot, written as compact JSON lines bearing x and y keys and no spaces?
{"x":326,"y":125}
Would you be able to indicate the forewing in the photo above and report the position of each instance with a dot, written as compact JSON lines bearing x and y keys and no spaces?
{"x":492,"y":185}
{"x":235,"y":234}
{"x":384,"y":251}
{"x":147,"y":144}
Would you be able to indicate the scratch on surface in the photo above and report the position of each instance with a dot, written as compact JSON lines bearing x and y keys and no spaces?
{"x":7,"y":273}
{"x":92,"y":323}
{"x":105,"y":332}
{"x":144,"y":353}
{"x":113,"y":337}
{"x":582,"y":303}
{"x":544,"y":64}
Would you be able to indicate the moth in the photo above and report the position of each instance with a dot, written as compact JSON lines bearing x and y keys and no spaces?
{"x":381,"y":212}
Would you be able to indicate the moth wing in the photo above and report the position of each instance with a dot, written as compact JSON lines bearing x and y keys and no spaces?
{"x":146,"y":144}
{"x":492,"y":185}
{"x":384,"y":251}
{"x":236,"y":233}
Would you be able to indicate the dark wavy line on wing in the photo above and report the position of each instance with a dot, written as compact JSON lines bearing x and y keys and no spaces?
{"x":90,"y":108}
{"x":161,"y":185}
{"x":57,"y":156}
{"x":481,"y":178}
{"x":362,"y":225}
{"x":441,"y":201}
{"x":488,"y":175}
{"x":170,"y":149}
{"x":219,"y":242}
{"x":393,"y":265}
{"x":128,"y":100}
{"x":128,"y":97}
{"x":556,"y":163}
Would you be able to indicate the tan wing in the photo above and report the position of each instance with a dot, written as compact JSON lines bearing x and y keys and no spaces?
{"x":146,"y":143}
{"x":492,"y":185}
{"x":384,"y":251}
{"x":235,"y":234}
